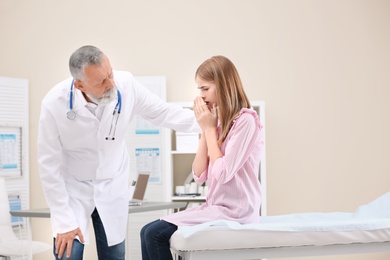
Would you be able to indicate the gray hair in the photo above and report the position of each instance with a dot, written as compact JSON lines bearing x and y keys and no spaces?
{"x":86,"y":55}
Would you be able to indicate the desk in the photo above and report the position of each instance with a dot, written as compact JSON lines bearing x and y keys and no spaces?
{"x":147,"y":206}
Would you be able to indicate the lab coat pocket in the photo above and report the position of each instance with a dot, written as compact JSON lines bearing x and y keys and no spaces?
{"x":79,"y":189}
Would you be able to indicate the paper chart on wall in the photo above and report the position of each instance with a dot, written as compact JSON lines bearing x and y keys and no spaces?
{"x":142,"y":126}
{"x":149,"y":160}
{"x":10,"y":151}
{"x":15,"y":203}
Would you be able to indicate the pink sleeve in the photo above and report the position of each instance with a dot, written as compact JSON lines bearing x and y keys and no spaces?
{"x":202,"y":178}
{"x":239,"y":145}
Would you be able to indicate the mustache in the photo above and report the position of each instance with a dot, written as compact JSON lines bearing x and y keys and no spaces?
{"x":109,"y":93}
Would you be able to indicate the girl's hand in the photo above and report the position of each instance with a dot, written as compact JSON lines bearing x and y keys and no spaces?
{"x":206,"y":118}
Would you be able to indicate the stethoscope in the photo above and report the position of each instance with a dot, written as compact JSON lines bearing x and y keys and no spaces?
{"x":115,"y":114}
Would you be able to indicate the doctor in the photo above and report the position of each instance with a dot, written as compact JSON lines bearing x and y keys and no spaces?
{"x":82,"y":154}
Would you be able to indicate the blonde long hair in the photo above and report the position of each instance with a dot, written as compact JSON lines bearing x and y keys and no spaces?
{"x":231,"y":97}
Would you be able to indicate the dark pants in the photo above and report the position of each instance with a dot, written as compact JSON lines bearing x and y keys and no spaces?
{"x":104,"y":252}
{"x":155,"y":238}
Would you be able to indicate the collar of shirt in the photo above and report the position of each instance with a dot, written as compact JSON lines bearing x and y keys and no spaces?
{"x":95,"y":109}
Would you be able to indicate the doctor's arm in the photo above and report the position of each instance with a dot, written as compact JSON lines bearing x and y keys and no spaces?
{"x":49,"y":161}
{"x":164,"y":114}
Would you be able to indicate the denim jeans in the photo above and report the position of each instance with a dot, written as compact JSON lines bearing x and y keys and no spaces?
{"x":155,"y":240}
{"x":104,"y":252}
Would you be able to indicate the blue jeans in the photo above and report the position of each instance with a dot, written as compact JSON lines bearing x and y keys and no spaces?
{"x":155,"y":240}
{"x":104,"y":252}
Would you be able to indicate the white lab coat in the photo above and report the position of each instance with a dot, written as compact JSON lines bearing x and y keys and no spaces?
{"x":80,"y":169}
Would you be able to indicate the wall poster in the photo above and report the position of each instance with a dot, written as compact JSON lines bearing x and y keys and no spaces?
{"x":10,"y":151}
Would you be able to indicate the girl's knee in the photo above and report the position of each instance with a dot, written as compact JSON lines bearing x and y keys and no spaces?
{"x":142,"y":232}
{"x":145,"y":230}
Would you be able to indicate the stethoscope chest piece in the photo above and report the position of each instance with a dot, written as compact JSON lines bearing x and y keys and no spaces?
{"x":71,"y":114}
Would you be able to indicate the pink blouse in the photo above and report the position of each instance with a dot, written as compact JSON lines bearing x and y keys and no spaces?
{"x":234,"y":187}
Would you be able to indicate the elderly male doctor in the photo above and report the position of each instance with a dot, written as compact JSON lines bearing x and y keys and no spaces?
{"x":82,"y":154}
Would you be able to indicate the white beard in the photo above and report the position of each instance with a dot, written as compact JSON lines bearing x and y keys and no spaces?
{"x":106,"y":99}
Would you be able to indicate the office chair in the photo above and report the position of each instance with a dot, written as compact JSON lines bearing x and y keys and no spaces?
{"x":10,"y":245}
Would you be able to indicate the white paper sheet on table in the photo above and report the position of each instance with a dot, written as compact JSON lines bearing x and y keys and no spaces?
{"x":375,"y":215}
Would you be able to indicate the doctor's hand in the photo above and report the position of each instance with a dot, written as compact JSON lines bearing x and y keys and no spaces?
{"x":206,"y":118}
{"x":64,"y":242}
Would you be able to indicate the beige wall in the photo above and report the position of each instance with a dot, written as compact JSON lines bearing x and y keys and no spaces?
{"x":321,"y":66}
